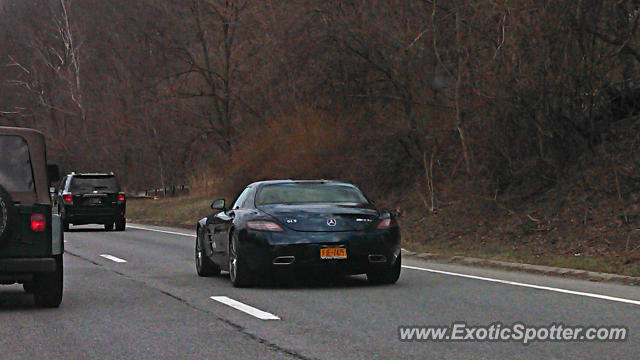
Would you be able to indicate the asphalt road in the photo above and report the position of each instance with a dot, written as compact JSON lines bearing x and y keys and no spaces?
{"x":135,"y":295}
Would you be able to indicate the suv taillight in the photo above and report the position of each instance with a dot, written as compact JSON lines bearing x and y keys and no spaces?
{"x":38,"y":222}
{"x":67,"y":198}
{"x":121,"y":196}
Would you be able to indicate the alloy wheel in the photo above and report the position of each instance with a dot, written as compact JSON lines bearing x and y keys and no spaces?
{"x":198,"y":255}
{"x":233,"y":261}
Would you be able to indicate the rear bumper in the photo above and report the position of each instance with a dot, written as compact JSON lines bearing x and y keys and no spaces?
{"x":366,"y":251}
{"x":27,"y":265}
{"x":92,"y":219}
{"x":93,"y":216}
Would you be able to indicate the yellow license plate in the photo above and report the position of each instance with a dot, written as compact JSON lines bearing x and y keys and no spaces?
{"x":333,"y":253}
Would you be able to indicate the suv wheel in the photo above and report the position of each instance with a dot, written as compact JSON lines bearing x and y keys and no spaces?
{"x":7,"y":215}
{"x":47,"y":287}
{"x":121,"y":224}
{"x":108,"y":226}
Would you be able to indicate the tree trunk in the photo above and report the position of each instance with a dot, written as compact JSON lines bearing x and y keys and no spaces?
{"x":459,"y":121}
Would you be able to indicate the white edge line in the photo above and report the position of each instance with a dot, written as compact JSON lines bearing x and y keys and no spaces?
{"x":160,"y":231}
{"x":262,"y":315}
{"x":532,"y":286}
{"x":113,"y":258}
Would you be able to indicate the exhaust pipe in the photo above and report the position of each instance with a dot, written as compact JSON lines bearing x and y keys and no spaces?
{"x":377,"y":258}
{"x":284,"y":260}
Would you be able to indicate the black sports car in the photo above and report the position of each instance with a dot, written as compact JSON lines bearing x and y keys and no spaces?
{"x":302,"y":225}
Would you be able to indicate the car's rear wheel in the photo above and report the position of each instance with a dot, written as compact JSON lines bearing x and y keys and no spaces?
{"x":239,"y":273}
{"x":121,"y":224}
{"x":8,"y":215}
{"x":47,"y":287}
{"x":108,"y":226}
{"x":204,"y":266}
{"x":386,"y":275}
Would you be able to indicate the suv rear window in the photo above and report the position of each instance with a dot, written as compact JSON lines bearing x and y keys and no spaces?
{"x":91,"y":183}
{"x":15,"y":167}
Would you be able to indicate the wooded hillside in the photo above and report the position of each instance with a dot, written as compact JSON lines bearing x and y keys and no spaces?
{"x":427,"y":104}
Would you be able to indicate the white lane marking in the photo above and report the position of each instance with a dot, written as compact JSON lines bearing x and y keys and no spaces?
{"x":113,"y":258}
{"x":262,"y":315}
{"x":160,"y":231}
{"x":532,"y":286}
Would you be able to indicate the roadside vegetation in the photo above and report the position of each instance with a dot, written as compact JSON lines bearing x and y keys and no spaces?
{"x":499,"y":129}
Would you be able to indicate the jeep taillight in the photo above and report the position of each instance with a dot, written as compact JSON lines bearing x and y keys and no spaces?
{"x":68,"y":198}
{"x":121,"y":196}
{"x":38,"y":222}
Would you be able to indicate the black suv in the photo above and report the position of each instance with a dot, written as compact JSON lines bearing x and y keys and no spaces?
{"x":91,"y":199}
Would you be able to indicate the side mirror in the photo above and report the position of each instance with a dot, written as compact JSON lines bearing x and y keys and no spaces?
{"x":53,"y":173}
{"x":218,"y":205}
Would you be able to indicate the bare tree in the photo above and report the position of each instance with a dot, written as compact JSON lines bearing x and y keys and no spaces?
{"x":70,"y":58}
{"x":213,"y":64}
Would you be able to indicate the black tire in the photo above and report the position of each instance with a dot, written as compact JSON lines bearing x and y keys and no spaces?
{"x":28,"y":287}
{"x":47,"y":287}
{"x":121,"y":224}
{"x":389,"y":275}
{"x":108,"y":226}
{"x":239,"y":272}
{"x":204,"y":266}
{"x":8,"y":215}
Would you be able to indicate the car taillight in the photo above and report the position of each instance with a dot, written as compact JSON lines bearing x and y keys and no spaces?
{"x":38,"y":222}
{"x":386,"y":223}
{"x":264,"y":226}
{"x":67,"y":197}
{"x":121,"y":197}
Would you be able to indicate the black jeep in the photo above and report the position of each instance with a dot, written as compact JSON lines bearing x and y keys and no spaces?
{"x":91,"y":199}
{"x":31,"y":237}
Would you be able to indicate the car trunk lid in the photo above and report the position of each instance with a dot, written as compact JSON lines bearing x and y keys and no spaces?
{"x":323,"y":217}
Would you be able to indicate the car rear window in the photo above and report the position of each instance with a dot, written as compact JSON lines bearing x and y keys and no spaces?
{"x":16,"y":174}
{"x":91,"y":183}
{"x":293,"y":193}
